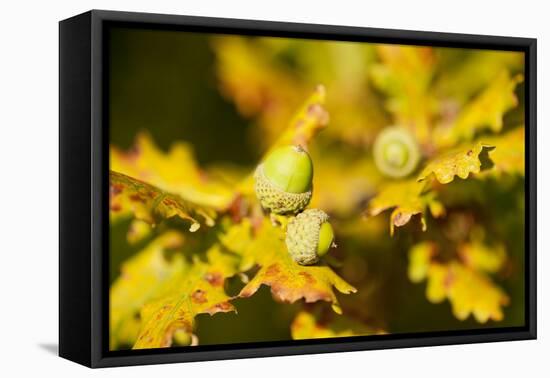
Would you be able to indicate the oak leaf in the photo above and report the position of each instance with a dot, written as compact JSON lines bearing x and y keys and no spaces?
{"x":509,"y":154}
{"x":175,"y":171}
{"x":148,"y":203}
{"x":486,"y":111}
{"x":407,"y":198}
{"x":472,"y":292}
{"x":470,"y":71}
{"x":460,"y":162}
{"x":288,"y":280}
{"x":308,"y":326}
{"x":142,"y":279}
{"x":467,"y":287}
{"x":199,"y":289}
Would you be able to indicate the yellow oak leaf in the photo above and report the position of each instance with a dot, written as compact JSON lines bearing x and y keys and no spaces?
{"x":406,"y":198}
{"x":479,"y":256}
{"x":486,"y":111}
{"x":288,"y":280}
{"x":420,"y":257}
{"x":476,"y":70}
{"x":141,"y":279}
{"x":509,"y":154}
{"x":467,"y":287}
{"x":472,"y":292}
{"x":145,"y":202}
{"x":175,"y":172}
{"x":307,"y":326}
{"x":459,"y":162}
{"x":199,"y":289}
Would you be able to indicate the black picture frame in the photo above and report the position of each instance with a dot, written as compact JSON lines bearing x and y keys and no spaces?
{"x":83,"y":180}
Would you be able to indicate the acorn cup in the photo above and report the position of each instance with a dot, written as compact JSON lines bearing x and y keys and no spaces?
{"x":396,"y":152}
{"x":309,"y":236}
{"x":283,"y":181}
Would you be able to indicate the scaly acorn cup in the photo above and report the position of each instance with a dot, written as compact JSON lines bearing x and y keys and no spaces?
{"x":283,"y":182}
{"x":309,"y":236}
{"x":396,"y":152}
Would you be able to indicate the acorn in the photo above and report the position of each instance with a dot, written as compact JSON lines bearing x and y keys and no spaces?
{"x":309,"y":236}
{"x":396,"y":152}
{"x":283,"y":182}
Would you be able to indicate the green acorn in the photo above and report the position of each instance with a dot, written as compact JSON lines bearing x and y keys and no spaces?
{"x":283,"y":182}
{"x":396,"y":152}
{"x":309,"y":236}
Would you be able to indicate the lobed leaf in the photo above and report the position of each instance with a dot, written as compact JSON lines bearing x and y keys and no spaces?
{"x":145,"y":202}
{"x":477,"y":255}
{"x":469,"y":290}
{"x":460,"y":162}
{"x":175,"y":172}
{"x":406,"y":198}
{"x":473,"y":71}
{"x":509,"y":154}
{"x":288,"y":280}
{"x":486,"y":111}
{"x":198,"y":290}
{"x":142,"y":279}
{"x":308,"y":326}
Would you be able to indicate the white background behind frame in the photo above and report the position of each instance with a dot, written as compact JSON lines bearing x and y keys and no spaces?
{"x":29,"y":186}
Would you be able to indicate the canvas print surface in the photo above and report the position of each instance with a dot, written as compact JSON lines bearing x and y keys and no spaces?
{"x":276,"y":189}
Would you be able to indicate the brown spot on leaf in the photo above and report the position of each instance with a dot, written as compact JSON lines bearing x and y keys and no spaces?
{"x":308,"y":277}
{"x":135,"y":197}
{"x":199,"y":296}
{"x":214,"y":278}
{"x":115,"y":189}
{"x":238,"y":208}
{"x":272,"y":270}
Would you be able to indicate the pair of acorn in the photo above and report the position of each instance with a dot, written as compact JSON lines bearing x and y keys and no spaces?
{"x":283,"y":184}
